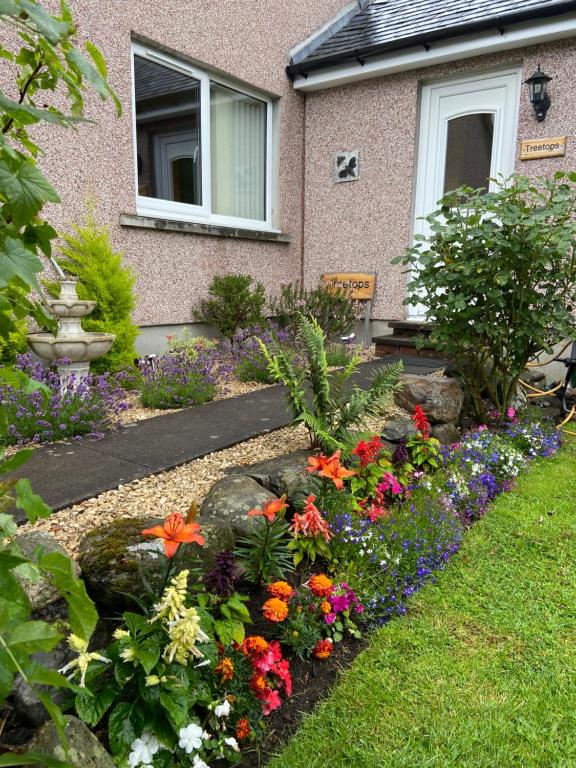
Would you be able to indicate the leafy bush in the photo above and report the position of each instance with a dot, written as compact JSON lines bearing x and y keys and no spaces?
{"x":178,"y":380}
{"x":191,"y":345}
{"x":44,"y":414}
{"x":250,"y":362}
{"x":335,"y":406}
{"x":333,"y":309}
{"x":498,"y":278}
{"x":88,"y":255}
{"x":338,"y":355}
{"x":14,"y":343}
{"x":263,"y":552}
{"x":234,"y":304}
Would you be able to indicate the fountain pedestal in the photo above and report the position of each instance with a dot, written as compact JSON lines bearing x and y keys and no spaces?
{"x":71,"y":344}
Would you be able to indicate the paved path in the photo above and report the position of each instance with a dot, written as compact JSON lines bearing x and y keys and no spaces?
{"x":67,"y":473}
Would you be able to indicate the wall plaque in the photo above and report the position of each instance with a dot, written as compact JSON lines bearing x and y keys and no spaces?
{"x":532,"y":149}
{"x":360,"y":285}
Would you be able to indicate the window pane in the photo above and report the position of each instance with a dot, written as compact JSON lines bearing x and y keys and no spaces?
{"x":167,"y":133}
{"x":469,"y":151}
{"x":238,"y":154}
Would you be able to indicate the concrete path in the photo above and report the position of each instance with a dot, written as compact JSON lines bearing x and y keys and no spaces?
{"x":67,"y":473}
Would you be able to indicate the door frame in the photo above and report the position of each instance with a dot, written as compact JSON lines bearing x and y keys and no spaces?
{"x":431,"y":139}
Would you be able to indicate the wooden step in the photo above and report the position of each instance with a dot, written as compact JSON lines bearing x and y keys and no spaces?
{"x":410,"y":329}
{"x":391,"y":344}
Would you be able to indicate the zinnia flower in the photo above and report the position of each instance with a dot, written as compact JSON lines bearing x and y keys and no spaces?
{"x":175,"y":531}
{"x":320,"y":585}
{"x":275,"y":610}
{"x":330,"y":468}
{"x":243,"y":729}
{"x":323,"y":649}
{"x":270,"y":509}
{"x":280,"y":589}
{"x":225,"y":668}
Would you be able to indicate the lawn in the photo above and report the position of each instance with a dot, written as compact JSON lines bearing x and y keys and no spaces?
{"x":482,"y":671}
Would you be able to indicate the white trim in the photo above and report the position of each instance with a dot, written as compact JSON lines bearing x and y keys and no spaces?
{"x":465,"y":47}
{"x":201,"y":214}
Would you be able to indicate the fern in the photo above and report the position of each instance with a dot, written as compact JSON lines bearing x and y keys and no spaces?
{"x":334,"y":406}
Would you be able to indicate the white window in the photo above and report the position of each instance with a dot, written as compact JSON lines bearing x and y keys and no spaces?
{"x":203,"y":146}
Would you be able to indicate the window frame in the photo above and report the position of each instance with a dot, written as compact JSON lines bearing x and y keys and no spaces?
{"x":153,"y":207}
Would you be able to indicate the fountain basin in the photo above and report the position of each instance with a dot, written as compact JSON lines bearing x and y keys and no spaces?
{"x":75,"y":348}
{"x":70,"y":307}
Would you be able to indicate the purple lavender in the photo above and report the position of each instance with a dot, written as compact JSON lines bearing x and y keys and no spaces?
{"x":179,"y":380}
{"x":222,"y":578}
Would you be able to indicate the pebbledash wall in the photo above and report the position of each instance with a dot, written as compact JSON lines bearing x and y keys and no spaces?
{"x":245,"y":40}
{"x":364,"y":224}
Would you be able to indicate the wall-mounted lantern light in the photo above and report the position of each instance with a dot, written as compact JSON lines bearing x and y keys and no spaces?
{"x":537,"y":85}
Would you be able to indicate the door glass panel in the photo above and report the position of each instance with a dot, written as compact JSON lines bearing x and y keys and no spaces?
{"x":167,"y":133}
{"x":469,"y":151}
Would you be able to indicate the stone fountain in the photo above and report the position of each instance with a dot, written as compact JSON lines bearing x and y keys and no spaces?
{"x":71,"y":344}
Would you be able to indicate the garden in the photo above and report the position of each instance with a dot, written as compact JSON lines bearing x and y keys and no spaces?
{"x":401,"y":550}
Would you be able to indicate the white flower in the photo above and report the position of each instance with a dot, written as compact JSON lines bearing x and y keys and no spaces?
{"x":199,"y":763}
{"x":231,"y":742}
{"x":223,"y":710}
{"x":190,"y":737}
{"x":143,"y":750}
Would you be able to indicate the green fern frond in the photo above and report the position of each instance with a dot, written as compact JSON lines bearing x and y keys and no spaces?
{"x":313,"y":339}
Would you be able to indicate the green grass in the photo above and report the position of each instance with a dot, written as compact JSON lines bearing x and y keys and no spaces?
{"x":482,"y":671}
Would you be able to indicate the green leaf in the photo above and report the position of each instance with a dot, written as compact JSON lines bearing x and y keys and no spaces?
{"x":92,"y":707}
{"x":78,"y":62}
{"x":32,"y":758}
{"x":148,"y":654}
{"x":40,"y":675}
{"x":15,"y":461}
{"x":33,"y":636}
{"x":25,"y":189}
{"x":18,"y":261}
{"x":121,"y":731}
{"x":175,"y":702}
{"x":49,"y":26}
{"x":30,"y":502}
{"x":81,"y":611}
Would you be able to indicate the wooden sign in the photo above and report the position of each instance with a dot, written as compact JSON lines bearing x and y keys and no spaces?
{"x":532,"y":149}
{"x":360,"y":285}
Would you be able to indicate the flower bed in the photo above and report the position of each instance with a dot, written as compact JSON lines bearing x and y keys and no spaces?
{"x":194,"y":683}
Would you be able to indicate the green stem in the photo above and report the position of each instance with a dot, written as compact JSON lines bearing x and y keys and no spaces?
{"x":14,"y":661}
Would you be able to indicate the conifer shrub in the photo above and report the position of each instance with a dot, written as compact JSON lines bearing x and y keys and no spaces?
{"x":234,"y":303}
{"x":88,"y":254}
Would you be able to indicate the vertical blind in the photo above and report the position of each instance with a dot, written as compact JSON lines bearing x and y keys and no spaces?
{"x":238,"y":154}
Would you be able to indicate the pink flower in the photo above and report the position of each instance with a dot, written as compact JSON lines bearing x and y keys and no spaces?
{"x":390,"y":484}
{"x":311,"y":523}
{"x":330,"y":618}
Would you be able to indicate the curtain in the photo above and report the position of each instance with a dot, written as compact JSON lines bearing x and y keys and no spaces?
{"x":238,"y":154}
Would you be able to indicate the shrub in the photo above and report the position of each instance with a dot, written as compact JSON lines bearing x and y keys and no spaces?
{"x":250,"y":361}
{"x":191,"y":345}
{"x":14,"y":343}
{"x":88,"y":255}
{"x":335,"y":406}
{"x":498,"y":278}
{"x":178,"y":381}
{"x":38,"y":415}
{"x":333,"y":309}
{"x":234,"y":304}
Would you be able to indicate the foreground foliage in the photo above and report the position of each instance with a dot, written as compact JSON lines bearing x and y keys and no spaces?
{"x":498,"y":278}
{"x":478,"y":674}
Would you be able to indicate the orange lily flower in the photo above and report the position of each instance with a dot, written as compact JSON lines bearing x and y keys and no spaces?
{"x":270,"y":509}
{"x":330,"y":468}
{"x":175,"y":531}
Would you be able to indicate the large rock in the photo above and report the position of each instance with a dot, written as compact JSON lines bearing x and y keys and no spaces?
{"x":283,"y":475}
{"x":440,"y":397}
{"x":115,"y":556}
{"x":231,"y":498}
{"x":398,"y":429}
{"x":446,"y":433}
{"x":41,"y":592}
{"x":26,"y":704}
{"x":84,"y":749}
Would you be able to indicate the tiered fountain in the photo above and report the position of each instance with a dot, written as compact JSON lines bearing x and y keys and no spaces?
{"x":71,"y":344}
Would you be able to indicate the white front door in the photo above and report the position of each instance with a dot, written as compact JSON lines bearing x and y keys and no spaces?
{"x":467,"y":136}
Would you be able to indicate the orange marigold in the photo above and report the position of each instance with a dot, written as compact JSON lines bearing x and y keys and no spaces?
{"x":258,"y":683}
{"x":321,"y":585}
{"x":281,"y":590}
{"x":323,"y":649}
{"x":254,"y":644}
{"x":243,"y":729}
{"x":225,"y":668}
{"x":325,"y":607}
{"x":275,"y":609}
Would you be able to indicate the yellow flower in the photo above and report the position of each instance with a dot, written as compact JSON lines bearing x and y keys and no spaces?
{"x":171,"y":605}
{"x":151,"y":680}
{"x":129,"y":654}
{"x":80,"y":664}
{"x":184,"y":633}
{"x":118,"y":634}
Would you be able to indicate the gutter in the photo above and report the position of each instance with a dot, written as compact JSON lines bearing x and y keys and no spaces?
{"x":426,"y":41}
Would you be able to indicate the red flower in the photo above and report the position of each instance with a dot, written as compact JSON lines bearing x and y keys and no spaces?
{"x":311,"y":523}
{"x":422,"y":423}
{"x":270,"y":509}
{"x":330,"y":468}
{"x":368,"y":452}
{"x":175,"y":531}
{"x":323,"y":649}
{"x":242,"y":729}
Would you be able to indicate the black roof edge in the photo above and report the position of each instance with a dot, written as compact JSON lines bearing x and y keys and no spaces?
{"x":495,"y":22}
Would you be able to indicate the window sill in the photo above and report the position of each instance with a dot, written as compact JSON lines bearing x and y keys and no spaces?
{"x":193,"y":228}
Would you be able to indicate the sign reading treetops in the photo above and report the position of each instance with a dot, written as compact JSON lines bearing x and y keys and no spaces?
{"x":360,"y":285}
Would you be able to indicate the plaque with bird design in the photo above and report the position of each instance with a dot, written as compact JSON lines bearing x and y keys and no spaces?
{"x":346,"y":166}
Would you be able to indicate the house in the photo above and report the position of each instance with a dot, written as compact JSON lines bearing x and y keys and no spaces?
{"x":287,"y":140}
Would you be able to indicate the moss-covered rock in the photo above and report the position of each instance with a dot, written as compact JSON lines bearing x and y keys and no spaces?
{"x":84,"y":749}
{"x":282,"y":475}
{"x":41,"y":591}
{"x":117,"y":560}
{"x":231,"y":498}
